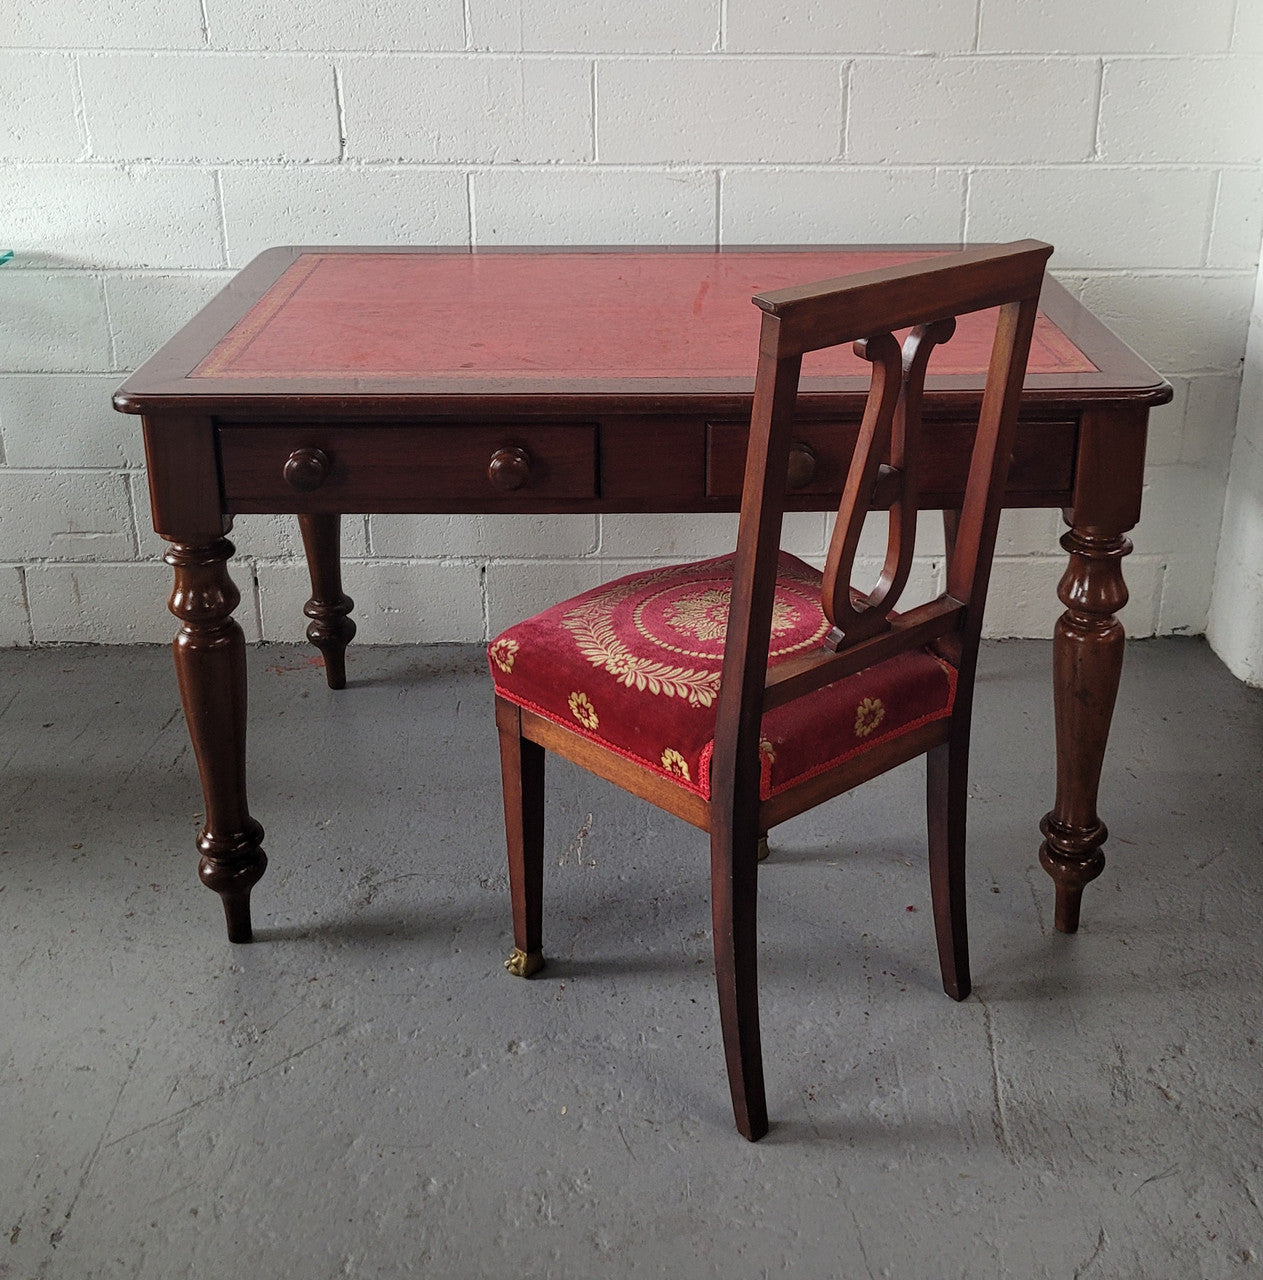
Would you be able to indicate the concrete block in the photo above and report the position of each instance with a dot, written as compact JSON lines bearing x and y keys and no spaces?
{"x":842,"y":205}
{"x":1181,"y":512}
{"x":15,"y":617}
{"x":872,"y":544}
{"x":1247,"y":34}
{"x":519,"y":589}
{"x":972,"y":110}
{"x":53,"y":322}
{"x":66,"y":515}
{"x":1097,"y":216}
{"x":109,"y":216}
{"x":483,"y":535}
{"x":451,"y":110}
{"x":1187,"y":586}
{"x":1235,"y":624}
{"x":386,"y":25}
{"x":1179,"y":323}
{"x":1030,"y":531}
{"x":562,"y":26}
{"x":279,"y":537}
{"x":146,"y":310}
{"x":116,"y":24}
{"x":817,"y":26}
{"x":697,"y":536}
{"x":1238,"y":226}
{"x":395,"y":603}
{"x":593,"y":206}
{"x":1146,"y":579}
{"x":66,"y":420}
{"x":1117,"y":26}
{"x":112,"y":604}
{"x":37,"y":105}
{"x":651,"y":110}
{"x":1210,"y":421}
{"x":925,"y":580}
{"x":1022,"y":598}
{"x":210,"y":107}
{"x":1206,"y":110}
{"x":1166,"y":425}
{"x":341,"y":204}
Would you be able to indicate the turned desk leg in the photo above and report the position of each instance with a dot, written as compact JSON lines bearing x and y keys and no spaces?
{"x":210,"y":665}
{"x":1087,"y":662}
{"x":331,"y":628}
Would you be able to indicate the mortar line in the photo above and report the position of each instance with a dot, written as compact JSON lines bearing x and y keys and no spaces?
{"x":223,"y":219}
{"x":340,"y":105}
{"x":81,"y":109}
{"x":719,"y":208}
{"x":1096,"y":109}
{"x":25,"y":589}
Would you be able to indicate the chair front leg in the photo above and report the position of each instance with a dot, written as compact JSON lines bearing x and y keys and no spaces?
{"x":734,"y":892}
{"x":522,"y":770}
{"x":947,"y":788}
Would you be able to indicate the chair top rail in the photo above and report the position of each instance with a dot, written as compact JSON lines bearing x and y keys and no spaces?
{"x":830,"y":312}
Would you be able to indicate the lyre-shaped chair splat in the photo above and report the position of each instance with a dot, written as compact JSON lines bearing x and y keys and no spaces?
{"x":891,"y":430}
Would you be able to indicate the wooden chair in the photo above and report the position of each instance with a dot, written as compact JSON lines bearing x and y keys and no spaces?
{"x":820,"y":688}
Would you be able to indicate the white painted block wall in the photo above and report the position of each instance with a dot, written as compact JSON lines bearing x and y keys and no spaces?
{"x":152,"y":147}
{"x":1236,"y":614}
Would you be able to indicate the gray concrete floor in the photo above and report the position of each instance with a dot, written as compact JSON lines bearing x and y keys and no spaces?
{"x":365,"y":1092}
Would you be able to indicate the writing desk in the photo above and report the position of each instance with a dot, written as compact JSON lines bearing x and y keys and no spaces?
{"x":329,"y":381}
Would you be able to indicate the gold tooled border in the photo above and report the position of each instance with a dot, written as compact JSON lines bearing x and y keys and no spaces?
{"x":251,"y":325}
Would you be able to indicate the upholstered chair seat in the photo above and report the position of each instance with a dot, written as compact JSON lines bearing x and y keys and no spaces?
{"x":634,"y":666}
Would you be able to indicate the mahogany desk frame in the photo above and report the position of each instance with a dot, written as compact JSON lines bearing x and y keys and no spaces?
{"x":217,"y":448}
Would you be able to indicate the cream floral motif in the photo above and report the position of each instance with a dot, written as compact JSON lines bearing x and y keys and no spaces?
{"x":704,"y":615}
{"x":868,"y":716}
{"x":591,"y":626}
{"x":503,"y":653}
{"x":674,"y":762}
{"x":768,"y":750}
{"x":583,"y":711}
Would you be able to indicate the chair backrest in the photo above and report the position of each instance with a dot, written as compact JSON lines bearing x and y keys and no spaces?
{"x":926,"y":296}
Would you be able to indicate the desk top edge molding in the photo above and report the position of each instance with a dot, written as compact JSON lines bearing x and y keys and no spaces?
{"x":162,"y":381}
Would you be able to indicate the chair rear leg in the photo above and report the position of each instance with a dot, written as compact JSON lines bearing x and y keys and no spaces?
{"x":734,"y":886}
{"x":947,"y":781}
{"x":522,"y":772}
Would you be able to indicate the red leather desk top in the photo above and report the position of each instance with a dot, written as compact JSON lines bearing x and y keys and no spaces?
{"x":557,"y":316}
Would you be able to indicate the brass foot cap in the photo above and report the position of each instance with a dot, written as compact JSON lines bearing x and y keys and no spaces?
{"x":521,"y":964}
{"x":764,"y":851}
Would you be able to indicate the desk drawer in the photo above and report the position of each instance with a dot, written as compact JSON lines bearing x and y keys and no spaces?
{"x":405,"y":466}
{"x":1043,"y":458}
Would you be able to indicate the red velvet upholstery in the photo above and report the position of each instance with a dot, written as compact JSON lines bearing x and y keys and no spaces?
{"x":635,"y":666}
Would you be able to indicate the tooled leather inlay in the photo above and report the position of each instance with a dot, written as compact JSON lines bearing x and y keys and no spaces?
{"x":487,"y":316}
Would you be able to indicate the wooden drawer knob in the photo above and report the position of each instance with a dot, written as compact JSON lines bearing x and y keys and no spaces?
{"x":306,"y":469}
{"x":509,"y":469}
{"x":802,"y":465}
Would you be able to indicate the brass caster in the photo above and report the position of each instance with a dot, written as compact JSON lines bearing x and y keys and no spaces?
{"x":521,"y":964}
{"x":764,"y":851}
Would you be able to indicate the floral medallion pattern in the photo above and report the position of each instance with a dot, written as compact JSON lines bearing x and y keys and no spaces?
{"x":868,"y":715}
{"x":635,"y":666}
{"x":583,"y":711}
{"x":674,"y":762}
{"x":503,"y":652}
